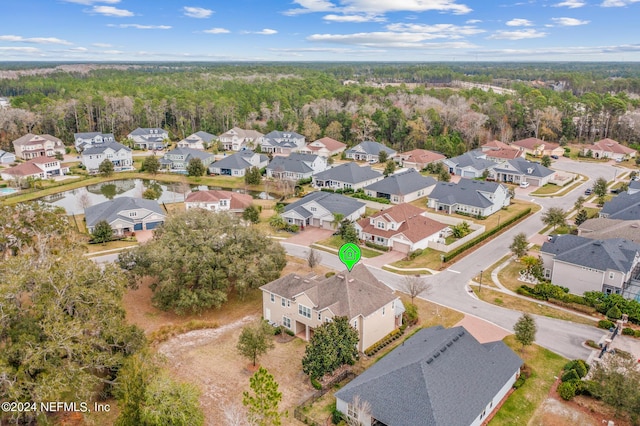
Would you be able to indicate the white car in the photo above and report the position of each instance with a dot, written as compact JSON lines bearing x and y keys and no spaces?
{"x":524,"y":184}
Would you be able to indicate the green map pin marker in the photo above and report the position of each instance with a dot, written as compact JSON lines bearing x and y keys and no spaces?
{"x":349,"y":254}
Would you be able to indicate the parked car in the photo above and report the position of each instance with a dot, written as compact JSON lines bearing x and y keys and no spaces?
{"x":587,"y":191}
{"x":616,"y":190}
{"x":524,"y":184}
{"x":555,"y":157}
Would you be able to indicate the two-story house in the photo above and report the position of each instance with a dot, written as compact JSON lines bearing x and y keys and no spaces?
{"x":93,"y":155}
{"x":296,"y":166}
{"x":236,"y":164}
{"x":88,"y":139}
{"x":218,"y":201}
{"x":346,"y":176}
{"x":402,"y":228}
{"x":198,"y":140}
{"x":126,"y":214}
{"x":318,"y":209}
{"x":402,"y":187}
{"x":36,"y":168}
{"x":283,"y":143}
{"x":149,"y":138}
{"x":369,"y":151}
{"x":178,"y":159}
{"x":32,"y":146}
{"x":471,"y":197}
{"x":303,"y":303}
{"x":237,"y":139}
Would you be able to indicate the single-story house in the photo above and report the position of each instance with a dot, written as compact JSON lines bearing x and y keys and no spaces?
{"x":325,"y":147}
{"x":218,"y":201}
{"x":149,"y":138}
{"x":471,"y":164}
{"x":402,"y":187}
{"x":369,"y":151}
{"x":126,"y":214}
{"x":538,"y":147}
{"x":584,"y":264}
{"x":418,"y":158}
{"x":625,"y":206}
{"x":521,"y":170}
{"x":318,"y":209}
{"x":345,"y":176}
{"x":472,"y":197}
{"x":499,"y":151}
{"x":237,"y":139}
{"x":88,"y":139}
{"x":93,"y":155}
{"x":439,"y":376}
{"x":7,"y":157}
{"x":284,"y":143}
{"x":32,"y":146}
{"x":236,"y":164}
{"x":198,"y":140}
{"x":608,"y":148}
{"x":403,"y":228}
{"x":601,"y":228}
{"x":296,"y":166}
{"x":36,"y":168}
{"x":303,"y":303}
{"x":178,"y":159}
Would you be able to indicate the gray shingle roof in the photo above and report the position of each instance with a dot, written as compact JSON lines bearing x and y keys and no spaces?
{"x":624,"y":206}
{"x":472,"y":159}
{"x":279,"y":134}
{"x":237,"y":160}
{"x":437,"y":377}
{"x":287,"y":164}
{"x":89,"y":135}
{"x":466,"y":192}
{"x":207,"y":137}
{"x":373,"y":148}
{"x":147,"y":131}
{"x":100,"y":148}
{"x":335,"y":203}
{"x":528,"y":168}
{"x":614,"y":253}
{"x":349,"y":173}
{"x":402,"y":183}
{"x":188,"y":153}
{"x":109,"y":210}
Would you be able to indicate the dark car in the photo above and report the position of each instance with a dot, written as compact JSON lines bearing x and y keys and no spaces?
{"x":616,"y":191}
{"x":555,"y":157}
{"x":587,"y":191}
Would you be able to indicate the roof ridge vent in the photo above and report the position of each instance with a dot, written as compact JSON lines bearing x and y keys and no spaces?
{"x":436,"y":355}
{"x":351,"y":280}
{"x":340,"y":277}
{"x":429,"y":360}
{"x":444,"y":348}
{"x":449,"y":343}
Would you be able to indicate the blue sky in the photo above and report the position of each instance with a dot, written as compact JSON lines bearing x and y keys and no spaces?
{"x":320,"y":30}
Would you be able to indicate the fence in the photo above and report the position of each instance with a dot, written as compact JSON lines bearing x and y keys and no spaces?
{"x":298,"y":413}
{"x":446,"y":248}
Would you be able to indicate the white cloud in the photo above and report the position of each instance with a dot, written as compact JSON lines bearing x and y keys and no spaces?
{"x":389,"y":39}
{"x":617,"y":3}
{"x":354,"y":18}
{"x":473,"y":21}
{"x":309,"y":6}
{"x":517,"y":35}
{"x":141,"y":27}
{"x":217,"y":31}
{"x":20,"y":49}
{"x":563,"y":51}
{"x":266,"y":31}
{"x":343,"y":50}
{"x":197,"y":12}
{"x":90,"y":2}
{"x":569,"y":22}
{"x":519,"y":23}
{"x":111,"y":11}
{"x":378,"y":7}
{"x":571,"y":4}
{"x":102,"y":45}
{"x":35,"y":40}
{"x":437,"y":30}
{"x":113,"y":52}
{"x":78,"y":49}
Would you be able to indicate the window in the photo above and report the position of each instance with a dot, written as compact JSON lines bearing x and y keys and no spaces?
{"x":283,"y":301}
{"x":547,"y":273}
{"x":286,"y":322}
{"x":355,"y":324}
{"x":133,"y":214}
{"x":273,"y":298}
{"x":383,"y":310}
{"x":611,"y":275}
{"x":351,"y":412}
{"x":319,"y":316}
{"x":380,"y":225}
{"x":304,"y":311}
{"x":313,"y":209}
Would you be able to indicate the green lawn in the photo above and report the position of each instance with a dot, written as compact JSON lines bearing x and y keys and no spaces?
{"x":549,"y":188}
{"x":336,"y":241}
{"x":523,"y":402}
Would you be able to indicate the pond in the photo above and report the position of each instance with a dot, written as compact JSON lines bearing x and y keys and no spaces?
{"x":75,"y":201}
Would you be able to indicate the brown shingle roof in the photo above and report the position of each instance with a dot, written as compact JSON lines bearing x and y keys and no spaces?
{"x":609,"y":145}
{"x":507,"y":154}
{"x":414,"y":226}
{"x":331,"y":144}
{"x":496,"y":144}
{"x":24,"y":169}
{"x":421,"y":156}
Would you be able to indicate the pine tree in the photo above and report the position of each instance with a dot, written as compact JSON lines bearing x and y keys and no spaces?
{"x":525,"y":330}
{"x":262,"y":403}
{"x":581,"y":217}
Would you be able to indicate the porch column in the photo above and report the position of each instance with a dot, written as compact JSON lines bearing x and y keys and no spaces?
{"x":306,"y":332}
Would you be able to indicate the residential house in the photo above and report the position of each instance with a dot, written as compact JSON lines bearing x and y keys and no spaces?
{"x":608,"y":148}
{"x":325,"y":147}
{"x":93,"y":155}
{"x":402,"y":228}
{"x":402,"y":187}
{"x":237,"y":139}
{"x":7,"y":157}
{"x":198,"y":140}
{"x":634,"y":187}
{"x":346,"y":176}
{"x":178,"y":159}
{"x":471,"y":197}
{"x":218,"y":201}
{"x":32,"y":146}
{"x":521,"y":170}
{"x":318,"y":208}
{"x":284,"y":143}
{"x":538,"y":147}
{"x":499,"y":151}
{"x":369,"y":151}
{"x":419,"y":158}
{"x":303,"y":303}
{"x":36,"y":168}
{"x":625,"y":206}
{"x":451,"y":378}
{"x":126,"y":214}
{"x":236,"y":164}
{"x":149,"y":138}
{"x":296,"y":166}
{"x":584,"y":264}
{"x":472,"y":164}
{"x":603,"y":228}
{"x":88,"y":139}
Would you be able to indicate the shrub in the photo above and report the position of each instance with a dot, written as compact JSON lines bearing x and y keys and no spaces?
{"x":316,"y":384}
{"x":628,"y":331}
{"x":410,"y":315}
{"x":636,"y":333}
{"x":606,"y":324}
{"x":293,"y":228}
{"x":570,"y":375}
{"x":567,"y":390}
{"x":587,"y":387}
{"x":519,"y":382}
{"x":289,"y":332}
{"x":329,"y":274}
{"x":413,"y":254}
{"x":336,"y":416}
{"x":614,"y":313}
{"x":581,"y":367}
{"x":376,"y":246}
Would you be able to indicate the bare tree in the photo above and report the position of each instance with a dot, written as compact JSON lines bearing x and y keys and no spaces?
{"x":314,"y":258}
{"x":235,"y":415}
{"x":84,"y":200}
{"x":415,"y":286}
{"x":361,"y":412}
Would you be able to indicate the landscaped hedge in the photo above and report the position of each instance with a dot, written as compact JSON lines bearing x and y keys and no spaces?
{"x":376,"y":246}
{"x":338,"y":191}
{"x":606,"y":324}
{"x":394,"y":335}
{"x":363,"y":196}
{"x":447,"y":257}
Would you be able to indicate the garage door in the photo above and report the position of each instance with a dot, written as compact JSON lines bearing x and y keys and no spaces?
{"x":153,"y":225}
{"x":468,"y":174}
{"x":137,"y":227}
{"x":401,"y":247}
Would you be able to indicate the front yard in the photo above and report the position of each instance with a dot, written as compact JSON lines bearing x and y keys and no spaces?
{"x":335,"y":242}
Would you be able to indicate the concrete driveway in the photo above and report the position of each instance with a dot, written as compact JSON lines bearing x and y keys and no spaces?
{"x":383,"y":259}
{"x":144,"y":236}
{"x":309,"y":236}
